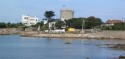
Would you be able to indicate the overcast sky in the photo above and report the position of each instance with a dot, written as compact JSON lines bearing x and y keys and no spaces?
{"x":12,"y":10}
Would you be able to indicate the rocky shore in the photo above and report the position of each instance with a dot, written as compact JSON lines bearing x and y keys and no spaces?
{"x":96,"y":35}
{"x":118,"y":46}
{"x":109,"y":34}
{"x":8,"y":31}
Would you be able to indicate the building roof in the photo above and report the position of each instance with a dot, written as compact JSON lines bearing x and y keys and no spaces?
{"x":67,"y":9}
{"x":113,"y":21}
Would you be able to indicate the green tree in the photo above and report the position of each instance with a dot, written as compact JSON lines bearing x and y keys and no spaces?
{"x":91,"y":22}
{"x":38,"y":24}
{"x":59,"y":24}
{"x":75,"y":22}
{"x":68,"y":22}
{"x":8,"y":25}
{"x":87,"y":23}
{"x":49,"y":15}
{"x":44,"y":27}
{"x":14,"y":25}
{"x":20,"y":24}
{"x":118,"y":26}
{"x":2,"y":25}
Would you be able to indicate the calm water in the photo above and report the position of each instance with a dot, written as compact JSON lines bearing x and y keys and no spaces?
{"x":17,"y":47}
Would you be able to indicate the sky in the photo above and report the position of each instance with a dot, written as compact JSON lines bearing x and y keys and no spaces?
{"x":12,"y":10}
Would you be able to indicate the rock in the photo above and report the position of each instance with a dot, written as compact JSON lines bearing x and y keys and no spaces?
{"x":121,"y":57}
{"x":68,"y":43}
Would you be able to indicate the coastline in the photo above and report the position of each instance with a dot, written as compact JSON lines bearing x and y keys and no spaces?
{"x":9,"y":31}
{"x":105,"y":34}
{"x":96,"y":35}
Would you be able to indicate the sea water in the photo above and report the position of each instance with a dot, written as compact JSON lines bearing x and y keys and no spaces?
{"x":17,"y":47}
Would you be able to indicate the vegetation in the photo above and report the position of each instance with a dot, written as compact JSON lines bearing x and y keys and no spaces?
{"x":44,"y":27}
{"x":117,"y":26}
{"x":88,"y":23}
{"x":92,"y":22}
{"x":59,"y":24}
{"x":38,"y":24}
{"x":10,"y":25}
{"x":49,"y":15}
{"x":74,"y":23}
{"x":3,"y":25}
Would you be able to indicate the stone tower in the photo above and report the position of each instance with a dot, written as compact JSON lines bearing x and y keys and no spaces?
{"x":66,"y":14}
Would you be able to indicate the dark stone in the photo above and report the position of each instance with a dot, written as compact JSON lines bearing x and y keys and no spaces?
{"x":121,"y":57}
{"x":68,"y":43}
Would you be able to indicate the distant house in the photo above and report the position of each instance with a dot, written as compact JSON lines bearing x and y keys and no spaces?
{"x":29,"y":20}
{"x":111,"y":22}
{"x":52,"y":25}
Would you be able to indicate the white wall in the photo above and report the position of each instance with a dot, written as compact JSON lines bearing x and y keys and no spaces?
{"x":28,"y":20}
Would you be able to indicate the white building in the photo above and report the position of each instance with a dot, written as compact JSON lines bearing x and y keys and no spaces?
{"x":29,"y":20}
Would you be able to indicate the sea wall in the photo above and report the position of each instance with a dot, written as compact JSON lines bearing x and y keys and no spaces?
{"x":109,"y":34}
{"x":6,"y":31}
{"x":60,"y":35}
{"x":96,"y":35}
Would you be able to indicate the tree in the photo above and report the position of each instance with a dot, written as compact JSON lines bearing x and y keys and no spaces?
{"x":8,"y":25}
{"x":91,"y":22}
{"x":59,"y":24}
{"x":88,"y":23}
{"x":2,"y":25}
{"x":75,"y":23}
{"x":49,"y":15}
{"x":14,"y":25}
{"x":118,"y":26}
{"x":20,"y":24}
{"x":44,"y":27}
{"x":38,"y":24}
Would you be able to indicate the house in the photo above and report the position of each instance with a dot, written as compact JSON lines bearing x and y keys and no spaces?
{"x":29,"y":20}
{"x":52,"y":25}
{"x":111,"y":22}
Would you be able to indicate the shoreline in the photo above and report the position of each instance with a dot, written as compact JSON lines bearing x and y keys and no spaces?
{"x":105,"y":34}
{"x":70,"y":35}
{"x":9,"y":31}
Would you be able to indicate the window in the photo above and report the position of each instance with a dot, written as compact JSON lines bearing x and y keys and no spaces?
{"x":25,"y":17}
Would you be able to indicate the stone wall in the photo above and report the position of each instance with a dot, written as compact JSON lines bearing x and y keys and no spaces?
{"x":6,"y":31}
